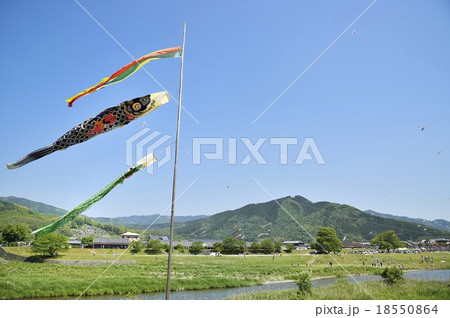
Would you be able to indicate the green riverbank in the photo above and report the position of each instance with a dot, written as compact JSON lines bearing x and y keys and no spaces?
{"x":141,"y":273}
{"x":344,"y":290}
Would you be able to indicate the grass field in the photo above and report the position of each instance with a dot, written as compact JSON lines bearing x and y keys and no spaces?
{"x":148,"y":273}
{"x":343,"y":290}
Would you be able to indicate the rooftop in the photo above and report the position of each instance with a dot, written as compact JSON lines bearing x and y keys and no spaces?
{"x":117,"y":241}
{"x":161,"y":238}
{"x":130,"y":234}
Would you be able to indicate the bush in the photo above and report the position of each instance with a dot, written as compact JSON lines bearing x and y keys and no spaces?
{"x":179,"y":248}
{"x":196,"y":248}
{"x":136,"y":246}
{"x":289,"y":248}
{"x":304,"y":284}
{"x":154,"y":247}
{"x":267,"y":246}
{"x":392,"y":275}
{"x":255,"y":248}
{"x":278,"y":246}
{"x":218,"y":247}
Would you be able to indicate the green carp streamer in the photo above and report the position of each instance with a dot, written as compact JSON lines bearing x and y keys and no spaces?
{"x":71,"y":215}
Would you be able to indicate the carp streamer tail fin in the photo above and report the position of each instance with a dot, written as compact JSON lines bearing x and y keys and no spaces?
{"x":42,"y":152}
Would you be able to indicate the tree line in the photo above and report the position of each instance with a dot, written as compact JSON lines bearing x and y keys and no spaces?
{"x":227,"y":246}
{"x":326,"y":241}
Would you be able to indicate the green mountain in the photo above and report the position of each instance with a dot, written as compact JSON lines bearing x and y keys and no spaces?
{"x":296,"y":218}
{"x":81,"y":226}
{"x":439,"y":224}
{"x":14,"y":213}
{"x":143,"y":221}
{"x":35,"y":206}
{"x":133,"y":221}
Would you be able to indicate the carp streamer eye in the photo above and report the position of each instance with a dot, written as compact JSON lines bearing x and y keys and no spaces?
{"x":136,"y":107}
{"x":144,"y":101}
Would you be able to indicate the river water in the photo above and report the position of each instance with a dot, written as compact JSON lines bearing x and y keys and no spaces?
{"x":215,"y":294}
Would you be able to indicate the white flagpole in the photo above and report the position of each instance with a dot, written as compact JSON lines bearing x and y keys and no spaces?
{"x":172,"y":211}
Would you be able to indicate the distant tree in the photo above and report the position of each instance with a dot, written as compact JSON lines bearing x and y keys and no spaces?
{"x":87,"y":241}
{"x":267,"y":246}
{"x":233,"y":246}
{"x":278,"y":245}
{"x":327,"y":240}
{"x":50,"y":244}
{"x":289,"y":248}
{"x":387,"y":240}
{"x":165,"y":247}
{"x":136,"y":246}
{"x":196,"y":247}
{"x":218,"y":247}
{"x":16,"y":232}
{"x":180,"y":247}
{"x":229,"y":246}
{"x":255,"y":248}
{"x":241,"y":247}
{"x":154,"y":247}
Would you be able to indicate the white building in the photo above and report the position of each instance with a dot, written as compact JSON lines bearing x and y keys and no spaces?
{"x":131,"y":236}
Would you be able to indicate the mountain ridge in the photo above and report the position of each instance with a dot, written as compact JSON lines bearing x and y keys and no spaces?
{"x":297,"y":218}
{"x":81,"y":226}
{"x":439,"y":224}
{"x":35,"y":205}
{"x":142,"y":221}
{"x":294,"y":218}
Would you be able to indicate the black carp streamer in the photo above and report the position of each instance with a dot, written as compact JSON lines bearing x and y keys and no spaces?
{"x":107,"y":120}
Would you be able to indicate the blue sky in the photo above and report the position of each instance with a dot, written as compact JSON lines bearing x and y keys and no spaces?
{"x":363,"y":102}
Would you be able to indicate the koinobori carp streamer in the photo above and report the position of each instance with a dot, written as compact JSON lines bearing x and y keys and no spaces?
{"x":71,"y":215}
{"x":127,"y":71}
{"x":107,"y":120}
